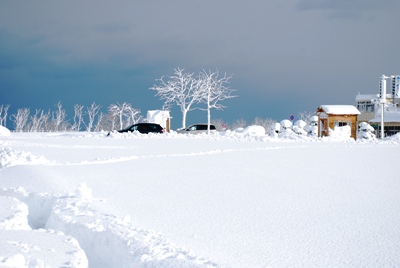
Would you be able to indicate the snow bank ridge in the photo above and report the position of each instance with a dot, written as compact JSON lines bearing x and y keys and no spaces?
{"x":106,"y":240}
{"x":9,"y":157}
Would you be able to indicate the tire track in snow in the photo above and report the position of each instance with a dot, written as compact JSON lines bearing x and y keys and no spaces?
{"x":130,"y":158}
{"x":9,"y":157}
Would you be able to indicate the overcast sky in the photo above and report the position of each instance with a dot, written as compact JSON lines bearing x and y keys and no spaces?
{"x":285,"y":56}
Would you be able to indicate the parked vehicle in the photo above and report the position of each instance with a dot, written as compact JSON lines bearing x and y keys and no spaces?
{"x":143,"y":128}
{"x":196,"y":129}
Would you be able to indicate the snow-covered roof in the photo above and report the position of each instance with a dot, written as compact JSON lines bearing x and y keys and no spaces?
{"x":387,"y":118}
{"x":154,"y":114}
{"x":158,"y":117}
{"x":366,"y":97}
{"x":339,"y":109}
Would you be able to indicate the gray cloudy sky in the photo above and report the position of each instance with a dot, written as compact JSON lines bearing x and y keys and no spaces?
{"x":285,"y":56}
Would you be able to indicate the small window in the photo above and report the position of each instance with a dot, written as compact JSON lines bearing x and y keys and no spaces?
{"x":342,"y":124}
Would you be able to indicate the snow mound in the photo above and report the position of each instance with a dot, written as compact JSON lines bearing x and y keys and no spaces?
{"x":252,"y":130}
{"x":4,"y":131}
{"x":339,"y":134}
{"x":84,"y":192}
{"x":10,"y":157}
{"x":395,"y":138}
{"x":135,"y":134}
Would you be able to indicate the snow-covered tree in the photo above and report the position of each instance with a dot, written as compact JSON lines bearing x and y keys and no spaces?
{"x":108,"y":122}
{"x":366,"y":131}
{"x":98,"y":126}
{"x":214,"y":89}
{"x":286,"y":125}
{"x":120,"y":111}
{"x":39,"y":121}
{"x":58,"y":119}
{"x":20,"y":119}
{"x":312,"y":127}
{"x":275,"y":129}
{"x":125,"y":113}
{"x":3,"y":115}
{"x":133,"y":116}
{"x":299,"y":126}
{"x":78,"y":117}
{"x":92,"y":111}
{"x":181,"y":89}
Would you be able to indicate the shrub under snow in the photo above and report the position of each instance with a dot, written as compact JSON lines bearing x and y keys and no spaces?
{"x":4,"y":131}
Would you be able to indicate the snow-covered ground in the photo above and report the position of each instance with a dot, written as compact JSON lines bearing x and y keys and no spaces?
{"x":170,"y":200}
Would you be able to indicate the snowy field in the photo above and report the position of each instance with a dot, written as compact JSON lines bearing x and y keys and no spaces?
{"x":170,"y":200}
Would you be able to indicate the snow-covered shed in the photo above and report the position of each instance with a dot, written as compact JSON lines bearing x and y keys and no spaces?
{"x":337,"y":116}
{"x":160,"y":117}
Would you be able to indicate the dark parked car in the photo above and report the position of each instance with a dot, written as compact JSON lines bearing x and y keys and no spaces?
{"x":143,"y":128}
{"x":196,"y":129}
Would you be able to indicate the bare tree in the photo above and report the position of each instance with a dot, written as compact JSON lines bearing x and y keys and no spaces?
{"x":39,"y":121}
{"x":238,"y":123}
{"x":45,"y":121}
{"x":108,"y":122}
{"x":181,"y":89}
{"x":214,"y":89}
{"x":305,"y":116}
{"x":219,"y":124}
{"x":264,"y":122}
{"x":78,"y":117}
{"x":34,"y":121}
{"x":92,"y":111}
{"x":134,"y":116}
{"x":98,"y":126}
{"x":58,"y":119}
{"x":120,"y":111}
{"x":20,"y":119}
{"x":3,"y":115}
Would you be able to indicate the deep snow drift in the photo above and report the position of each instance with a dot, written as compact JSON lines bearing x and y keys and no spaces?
{"x":170,"y":200}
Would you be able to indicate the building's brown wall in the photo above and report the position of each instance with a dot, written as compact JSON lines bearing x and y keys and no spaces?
{"x":344,"y":118}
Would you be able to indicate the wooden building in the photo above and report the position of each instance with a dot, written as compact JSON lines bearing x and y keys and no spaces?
{"x":334,"y":116}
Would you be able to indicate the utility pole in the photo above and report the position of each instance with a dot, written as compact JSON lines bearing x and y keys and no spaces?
{"x":382,"y":101}
{"x":382,"y":96}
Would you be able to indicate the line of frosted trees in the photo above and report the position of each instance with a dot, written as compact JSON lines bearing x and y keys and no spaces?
{"x":89,"y":118}
{"x":92,"y":119}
